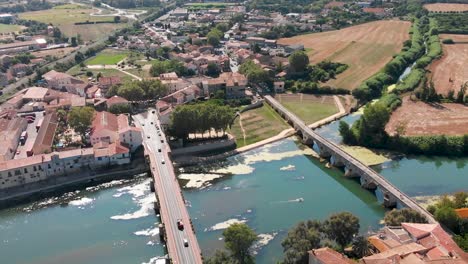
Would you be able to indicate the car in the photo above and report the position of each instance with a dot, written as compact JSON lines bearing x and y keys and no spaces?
{"x":163,"y":161}
{"x":162,"y":140}
{"x":18,"y":152}
{"x":153,"y":112}
{"x":152,"y":123}
{"x":142,"y":124}
{"x":180,"y":224}
{"x":148,"y":136}
{"x":185,"y":242}
{"x":159,"y":150}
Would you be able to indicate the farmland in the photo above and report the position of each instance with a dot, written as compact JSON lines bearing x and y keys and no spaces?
{"x":446,"y":7}
{"x":450,"y":72}
{"x":421,"y":119}
{"x":256,"y":125}
{"x":309,"y":108}
{"x":66,"y":17}
{"x":6,"y":28}
{"x":365,"y":48}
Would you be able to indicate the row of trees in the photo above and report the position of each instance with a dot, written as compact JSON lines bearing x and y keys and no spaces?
{"x":412,"y":50}
{"x":199,"y":118}
{"x":139,"y":90}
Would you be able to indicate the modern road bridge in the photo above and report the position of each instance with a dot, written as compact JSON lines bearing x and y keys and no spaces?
{"x":170,"y":202}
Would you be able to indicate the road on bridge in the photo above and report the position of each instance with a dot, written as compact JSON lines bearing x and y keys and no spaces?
{"x":172,"y":204}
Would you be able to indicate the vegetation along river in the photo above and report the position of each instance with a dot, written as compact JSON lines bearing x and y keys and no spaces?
{"x":270,"y":188}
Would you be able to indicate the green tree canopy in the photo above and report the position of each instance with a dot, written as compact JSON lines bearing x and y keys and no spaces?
{"x":165,"y":66}
{"x":239,"y":238}
{"x":342,"y":227}
{"x":214,"y":36}
{"x":405,"y":215}
{"x":298,"y":61}
{"x":80,"y":119}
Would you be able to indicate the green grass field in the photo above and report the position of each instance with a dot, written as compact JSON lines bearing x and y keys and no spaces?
{"x":259,"y":124}
{"x":308,"y":107}
{"x":107,"y":57}
{"x":66,"y":16}
{"x":81,"y":73}
{"x":6,"y":28}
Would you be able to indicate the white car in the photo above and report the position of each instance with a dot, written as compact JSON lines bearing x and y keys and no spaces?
{"x":185,"y":242}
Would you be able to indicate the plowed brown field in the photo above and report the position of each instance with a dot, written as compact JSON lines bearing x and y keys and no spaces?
{"x":365,"y":48}
{"x":420,"y":119}
{"x":445,"y":7}
{"x":451,"y":71}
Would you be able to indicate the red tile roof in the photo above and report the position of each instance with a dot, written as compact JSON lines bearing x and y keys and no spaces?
{"x":329,"y":256}
{"x":462,"y":212}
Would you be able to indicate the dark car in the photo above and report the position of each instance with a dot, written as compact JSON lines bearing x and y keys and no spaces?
{"x":180,"y":224}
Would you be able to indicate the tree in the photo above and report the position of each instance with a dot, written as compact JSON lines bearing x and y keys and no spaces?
{"x":80,"y":119}
{"x":212,"y":70}
{"x":214,"y":36}
{"x":239,"y":238}
{"x":117,"y":19}
{"x":131,"y":91}
{"x":405,"y":215}
{"x":300,"y":239}
{"x":74,"y":43}
{"x":298,"y":61}
{"x":460,"y":199}
{"x":342,"y":227}
{"x":361,"y":247}
{"x":346,"y":133}
{"x":448,"y":217}
{"x":220,"y":257}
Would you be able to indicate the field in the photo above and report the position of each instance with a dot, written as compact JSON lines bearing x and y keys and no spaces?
{"x":309,"y":108}
{"x":65,"y":18}
{"x":81,"y":73}
{"x":364,"y":48}
{"x":450,"y":72}
{"x":419,"y":118}
{"x":445,"y":7}
{"x":61,"y":52}
{"x":258,"y":124}
{"x":7,"y":28}
{"x":107,"y":57}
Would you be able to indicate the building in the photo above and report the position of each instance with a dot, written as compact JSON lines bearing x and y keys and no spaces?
{"x":17,"y":47}
{"x":109,"y":128}
{"x":11,"y":128}
{"x":278,"y":86}
{"x":415,"y":243}
{"x":107,"y":82}
{"x":45,"y":135}
{"x":36,"y":168}
{"x":35,"y":94}
{"x":116,"y":100}
{"x":182,"y":96}
{"x":64,"y":82}
{"x":327,"y":256}
{"x":232,"y":83}
{"x":13,"y":103}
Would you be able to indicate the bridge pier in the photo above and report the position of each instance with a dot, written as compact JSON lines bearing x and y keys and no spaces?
{"x":350,"y":172}
{"x":152,"y":185}
{"x":336,"y":161}
{"x":368,"y":183}
{"x":156,"y":207}
{"x":389,"y":200}
{"x":322,"y":151}
{"x":162,"y":233}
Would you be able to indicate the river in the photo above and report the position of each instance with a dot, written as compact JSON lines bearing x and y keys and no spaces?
{"x":271,"y":189}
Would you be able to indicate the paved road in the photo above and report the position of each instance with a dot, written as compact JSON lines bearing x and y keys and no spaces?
{"x":379,"y":179}
{"x":169,"y":193}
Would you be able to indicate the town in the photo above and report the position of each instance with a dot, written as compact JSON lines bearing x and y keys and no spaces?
{"x":194,"y":94}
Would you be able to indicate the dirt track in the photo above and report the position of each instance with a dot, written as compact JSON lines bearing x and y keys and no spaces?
{"x":365,"y":48}
{"x":450,"y":72}
{"x":420,"y":119}
{"x":445,"y":7}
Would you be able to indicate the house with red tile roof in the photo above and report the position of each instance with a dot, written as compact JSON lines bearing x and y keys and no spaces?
{"x":116,"y":100}
{"x":327,"y":256}
{"x":415,"y":243}
{"x":107,"y":82}
{"x":109,"y":128}
{"x":232,"y":83}
{"x":64,"y":82}
{"x":45,"y":135}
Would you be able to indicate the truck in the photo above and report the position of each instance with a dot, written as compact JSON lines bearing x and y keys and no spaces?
{"x":23,"y":137}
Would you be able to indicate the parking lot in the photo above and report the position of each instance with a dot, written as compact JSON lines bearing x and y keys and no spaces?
{"x":32,"y":134}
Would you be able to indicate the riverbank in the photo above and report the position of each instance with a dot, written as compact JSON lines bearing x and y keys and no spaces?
{"x":59,"y":185}
{"x":183,"y":161}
